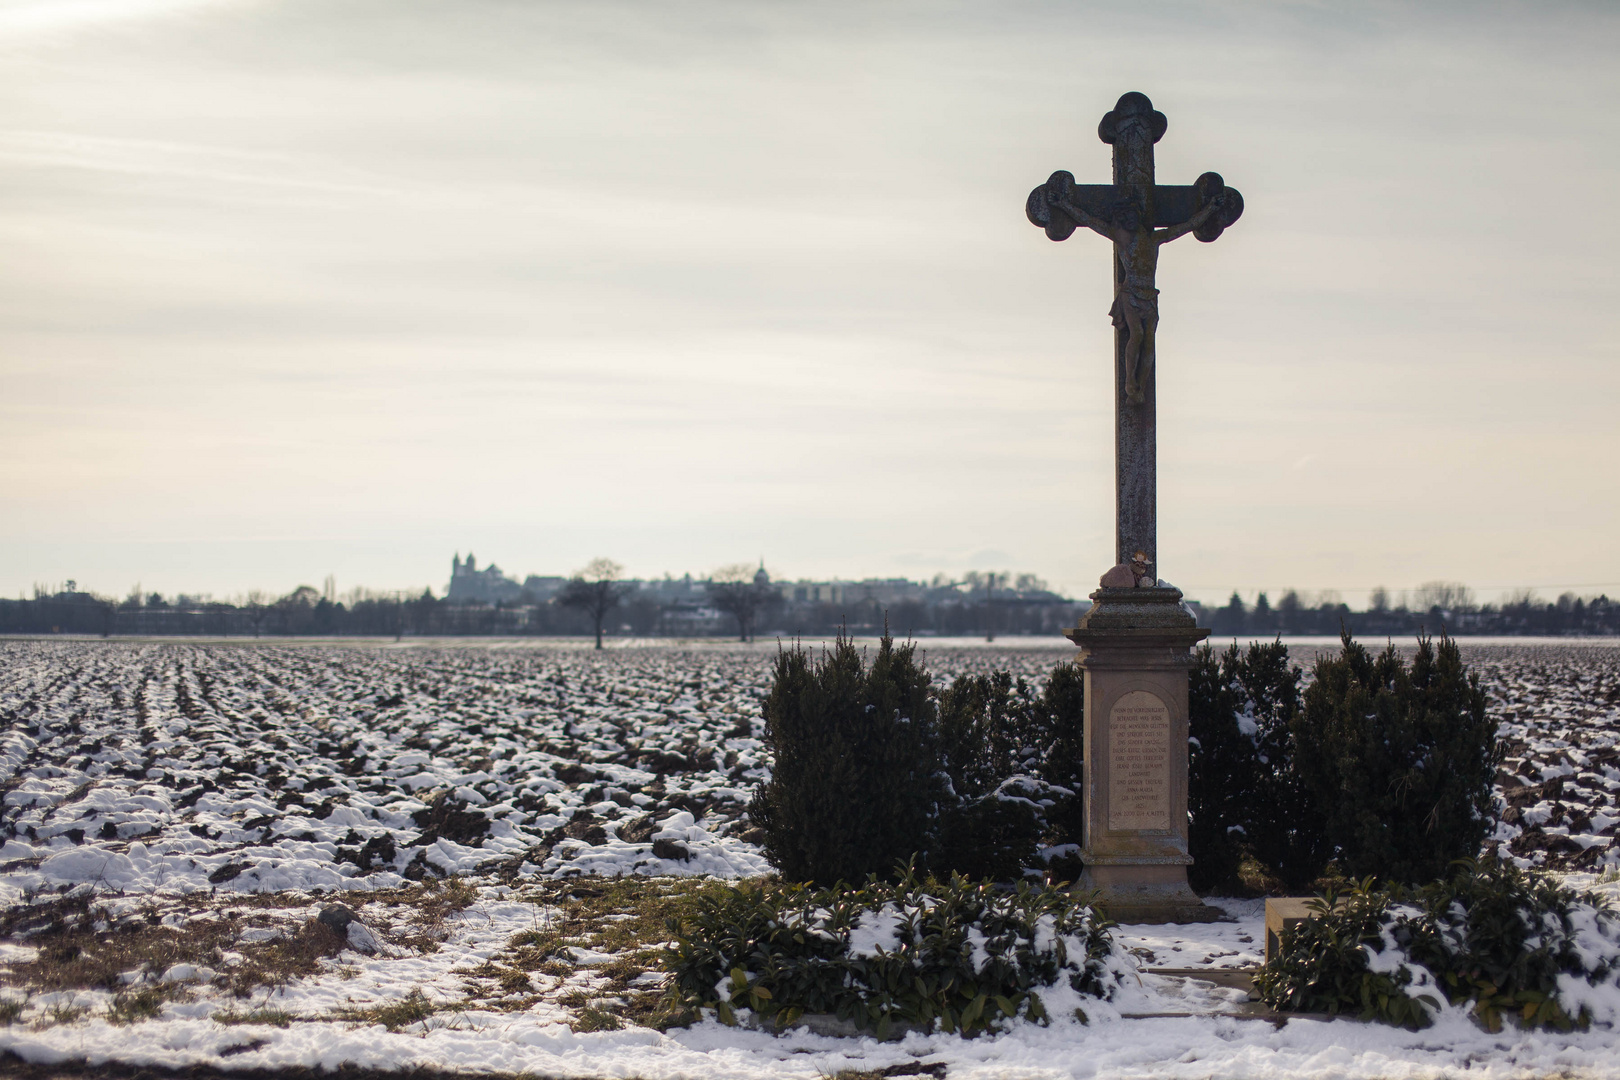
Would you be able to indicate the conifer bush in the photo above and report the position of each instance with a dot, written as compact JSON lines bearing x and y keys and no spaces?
{"x":1382,"y":767}
{"x":1012,"y":759}
{"x":1504,"y":944}
{"x":966,"y":956}
{"x":1222,"y":767}
{"x":872,"y":766}
{"x":1398,"y":760}
{"x":1285,"y":830}
{"x":855,"y":764}
{"x":1062,"y":750}
{"x":1243,"y":794}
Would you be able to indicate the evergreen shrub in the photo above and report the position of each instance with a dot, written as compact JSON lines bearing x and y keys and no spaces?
{"x":1242,"y":795}
{"x":855,"y":776}
{"x":1340,"y":962}
{"x":1384,"y":767}
{"x":969,"y":956}
{"x":872,"y":767}
{"x":1220,"y":772}
{"x":1013,"y":761}
{"x":1490,"y":938}
{"x":1397,"y":760}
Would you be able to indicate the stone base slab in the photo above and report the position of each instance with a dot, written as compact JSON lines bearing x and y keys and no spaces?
{"x":1150,"y":893}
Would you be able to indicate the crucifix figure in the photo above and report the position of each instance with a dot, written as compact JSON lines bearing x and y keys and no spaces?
{"x":1139,"y":216}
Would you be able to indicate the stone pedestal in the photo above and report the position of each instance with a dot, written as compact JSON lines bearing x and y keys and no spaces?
{"x":1135,"y":648}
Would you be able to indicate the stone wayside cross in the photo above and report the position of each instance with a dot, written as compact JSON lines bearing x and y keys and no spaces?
{"x":1139,"y":216}
{"x":1137,"y":638}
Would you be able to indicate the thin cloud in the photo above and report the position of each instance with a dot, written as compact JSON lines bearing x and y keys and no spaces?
{"x":32,"y":18}
{"x":187,"y":161}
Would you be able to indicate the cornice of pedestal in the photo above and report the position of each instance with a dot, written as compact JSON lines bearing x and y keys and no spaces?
{"x":1143,"y":618}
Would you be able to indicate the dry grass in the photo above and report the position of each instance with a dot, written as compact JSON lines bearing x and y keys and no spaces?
{"x":14,"y":1068}
{"x":592,"y":1018}
{"x":430,"y":905}
{"x":504,"y":988}
{"x":138,"y":1005}
{"x":627,"y":917}
{"x":63,"y":1014}
{"x":269,"y":1017}
{"x":396,"y":1015}
{"x":653,"y":1010}
{"x":74,"y":955}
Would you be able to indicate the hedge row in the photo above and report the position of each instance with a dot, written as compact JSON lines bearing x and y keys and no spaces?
{"x":1380,"y":766}
{"x":872,"y":766}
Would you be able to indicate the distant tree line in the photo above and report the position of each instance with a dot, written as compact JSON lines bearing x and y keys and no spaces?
{"x":1436,"y":606}
{"x":595,"y":602}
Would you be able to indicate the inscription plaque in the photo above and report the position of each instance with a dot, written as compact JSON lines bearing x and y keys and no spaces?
{"x":1139,"y":763}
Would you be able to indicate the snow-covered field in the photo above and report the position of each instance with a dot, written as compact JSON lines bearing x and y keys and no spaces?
{"x":191,"y":795}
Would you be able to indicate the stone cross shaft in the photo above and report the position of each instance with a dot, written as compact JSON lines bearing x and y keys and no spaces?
{"x":1139,"y":216}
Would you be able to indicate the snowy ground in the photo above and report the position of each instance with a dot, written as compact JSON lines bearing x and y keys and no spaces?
{"x":196,"y":804}
{"x":1161,"y":1027}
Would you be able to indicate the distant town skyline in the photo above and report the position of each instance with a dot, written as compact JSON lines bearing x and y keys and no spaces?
{"x":483,"y":602}
{"x":479,"y":574}
{"x":300,"y":288}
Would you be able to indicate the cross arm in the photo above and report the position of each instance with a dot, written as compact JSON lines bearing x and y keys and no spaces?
{"x":1173,"y":205}
{"x":1204,"y":208}
{"x":1096,"y":200}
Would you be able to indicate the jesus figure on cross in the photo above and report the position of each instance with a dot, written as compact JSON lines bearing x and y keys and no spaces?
{"x":1136,"y":296}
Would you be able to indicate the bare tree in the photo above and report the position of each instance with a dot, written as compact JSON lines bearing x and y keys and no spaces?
{"x":743,"y":593}
{"x":1448,"y":596}
{"x":595,"y":590}
{"x":1522,"y":599}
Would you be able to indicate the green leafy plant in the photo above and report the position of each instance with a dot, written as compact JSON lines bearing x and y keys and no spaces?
{"x":1502,"y":938}
{"x":923,"y":951}
{"x":1503,"y":943}
{"x":1324,"y":964}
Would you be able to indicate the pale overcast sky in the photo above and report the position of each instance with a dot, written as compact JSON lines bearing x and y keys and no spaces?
{"x":317,"y":287}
